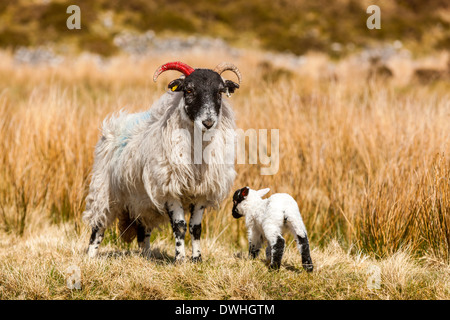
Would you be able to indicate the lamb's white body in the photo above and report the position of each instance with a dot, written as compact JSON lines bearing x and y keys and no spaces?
{"x":265,"y":220}
{"x":269,"y":216}
{"x":138,"y":176}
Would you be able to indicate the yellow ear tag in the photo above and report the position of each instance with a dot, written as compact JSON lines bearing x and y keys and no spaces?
{"x":174,"y":88}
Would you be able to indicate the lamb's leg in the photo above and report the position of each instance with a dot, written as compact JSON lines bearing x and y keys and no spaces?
{"x":95,"y":240}
{"x":179,"y":227}
{"x":195,"y":229}
{"x":143,"y":238}
{"x":254,"y":244}
{"x":303,"y":247}
{"x":277,"y":245}
{"x":298,"y":229}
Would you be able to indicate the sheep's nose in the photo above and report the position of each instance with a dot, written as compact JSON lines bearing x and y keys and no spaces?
{"x":208,"y":123}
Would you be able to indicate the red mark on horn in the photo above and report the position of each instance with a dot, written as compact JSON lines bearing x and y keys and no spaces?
{"x":178,"y":66}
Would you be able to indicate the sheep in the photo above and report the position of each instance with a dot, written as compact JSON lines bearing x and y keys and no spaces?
{"x":137,"y":177}
{"x":265,"y":219}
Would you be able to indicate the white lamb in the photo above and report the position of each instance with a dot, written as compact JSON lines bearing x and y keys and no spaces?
{"x":265,"y":219}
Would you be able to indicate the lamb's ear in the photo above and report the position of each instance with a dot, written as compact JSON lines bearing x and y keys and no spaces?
{"x":176,"y":85}
{"x":244,"y":191}
{"x":262,"y":192}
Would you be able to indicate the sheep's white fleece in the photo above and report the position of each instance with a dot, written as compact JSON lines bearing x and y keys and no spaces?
{"x":136,"y":169}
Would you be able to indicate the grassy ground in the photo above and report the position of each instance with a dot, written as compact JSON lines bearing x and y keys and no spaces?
{"x":38,"y":268}
{"x":367,"y":161}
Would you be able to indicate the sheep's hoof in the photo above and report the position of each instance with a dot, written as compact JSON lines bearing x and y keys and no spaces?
{"x":92,"y":251}
{"x":179,"y":260}
{"x":308,"y":267}
{"x":274,"y":266}
{"x":146,"y":253}
{"x":196,"y":259}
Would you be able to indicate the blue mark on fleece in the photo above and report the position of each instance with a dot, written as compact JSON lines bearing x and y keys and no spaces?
{"x":131,"y":121}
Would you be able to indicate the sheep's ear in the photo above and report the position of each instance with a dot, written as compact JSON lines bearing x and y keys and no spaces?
{"x":176,"y":85}
{"x":262,"y":192}
{"x":244,"y":191}
{"x":230,"y":86}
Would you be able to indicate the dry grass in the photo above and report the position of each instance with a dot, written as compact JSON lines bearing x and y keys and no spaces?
{"x":37,"y":268}
{"x":369,"y":164}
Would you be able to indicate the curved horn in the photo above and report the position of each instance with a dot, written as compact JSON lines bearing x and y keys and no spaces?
{"x":224,"y":66}
{"x":179,"y":66}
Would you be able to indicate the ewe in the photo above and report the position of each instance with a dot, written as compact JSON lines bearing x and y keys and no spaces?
{"x":138,"y":176}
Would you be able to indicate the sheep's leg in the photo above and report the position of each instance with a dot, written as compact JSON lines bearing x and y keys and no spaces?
{"x":303,"y":247}
{"x":179,"y":227}
{"x":254,"y":244}
{"x":195,"y":229}
{"x":277,"y":245}
{"x":95,"y":240}
{"x":143,"y":238}
{"x":268,"y":252}
{"x":298,"y":229}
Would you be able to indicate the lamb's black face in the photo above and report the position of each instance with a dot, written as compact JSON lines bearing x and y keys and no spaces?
{"x":202,"y":91}
{"x":239,"y":196}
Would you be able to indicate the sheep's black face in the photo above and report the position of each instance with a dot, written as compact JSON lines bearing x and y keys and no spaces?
{"x":202,"y":91}
{"x":239,"y":196}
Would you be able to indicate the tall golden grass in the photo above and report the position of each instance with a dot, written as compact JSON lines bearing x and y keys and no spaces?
{"x":368,"y":162}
